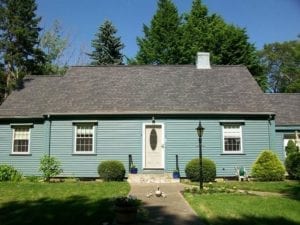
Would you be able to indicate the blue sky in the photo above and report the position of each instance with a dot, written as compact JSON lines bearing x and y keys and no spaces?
{"x":266,"y":21}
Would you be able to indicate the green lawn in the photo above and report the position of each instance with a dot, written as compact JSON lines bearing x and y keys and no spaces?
{"x":58,"y":203}
{"x":243,"y":209}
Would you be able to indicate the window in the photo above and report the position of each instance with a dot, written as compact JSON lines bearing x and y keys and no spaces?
{"x":21,"y":137}
{"x":232,"y":138}
{"x":84,"y":138}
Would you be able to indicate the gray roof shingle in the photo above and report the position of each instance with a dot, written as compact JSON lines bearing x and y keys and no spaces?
{"x":287,"y":108}
{"x":138,"y":89}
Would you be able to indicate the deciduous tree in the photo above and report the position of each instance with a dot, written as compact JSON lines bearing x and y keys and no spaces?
{"x":282,"y":65}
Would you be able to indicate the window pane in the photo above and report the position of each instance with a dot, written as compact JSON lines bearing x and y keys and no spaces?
{"x":84,"y":138}
{"x":21,"y":139}
{"x":232,"y":144}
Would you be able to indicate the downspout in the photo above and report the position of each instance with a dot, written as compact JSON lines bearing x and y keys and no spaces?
{"x":49,"y":136}
{"x":269,"y":124}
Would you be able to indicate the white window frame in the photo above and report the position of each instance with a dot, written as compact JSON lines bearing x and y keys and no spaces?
{"x":75,"y":140}
{"x":240,"y":136}
{"x":13,"y":140}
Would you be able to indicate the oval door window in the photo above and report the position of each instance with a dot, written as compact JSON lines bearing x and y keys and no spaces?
{"x":153,"y":139}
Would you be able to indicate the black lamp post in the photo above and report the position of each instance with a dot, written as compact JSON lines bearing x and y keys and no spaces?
{"x":200,"y":131}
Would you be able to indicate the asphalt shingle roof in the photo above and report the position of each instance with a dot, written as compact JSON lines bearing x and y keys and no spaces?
{"x":138,"y":89}
{"x":287,"y":108}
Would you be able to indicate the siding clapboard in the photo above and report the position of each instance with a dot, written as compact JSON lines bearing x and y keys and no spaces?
{"x":117,"y":138}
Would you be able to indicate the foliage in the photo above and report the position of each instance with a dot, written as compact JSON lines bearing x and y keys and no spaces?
{"x":292,"y":165}
{"x":291,"y":147}
{"x":50,"y":167}
{"x":281,"y":63}
{"x":19,"y":32}
{"x":54,"y":43}
{"x":160,"y":44}
{"x":268,"y":167}
{"x":73,"y":203}
{"x":192,"y":170}
{"x":111,"y":170}
{"x":107,"y":47}
{"x":209,"y":189}
{"x":171,"y":40}
{"x":9,"y":173}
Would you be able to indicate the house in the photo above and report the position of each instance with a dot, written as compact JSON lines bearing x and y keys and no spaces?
{"x":146,"y":113}
{"x":287,"y":120}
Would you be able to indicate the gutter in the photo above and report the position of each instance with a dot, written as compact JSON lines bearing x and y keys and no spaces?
{"x":162,"y":113}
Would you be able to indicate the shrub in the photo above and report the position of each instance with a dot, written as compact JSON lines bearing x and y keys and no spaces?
{"x":192,"y":170}
{"x":111,"y":170}
{"x":9,"y":173}
{"x":268,"y":167}
{"x":292,"y":165}
{"x":50,"y":167}
{"x":291,"y":147}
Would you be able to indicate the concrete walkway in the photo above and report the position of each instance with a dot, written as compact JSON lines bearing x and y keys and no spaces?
{"x":173,"y":209}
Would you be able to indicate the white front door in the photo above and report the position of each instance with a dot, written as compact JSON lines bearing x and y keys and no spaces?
{"x":154,"y":147}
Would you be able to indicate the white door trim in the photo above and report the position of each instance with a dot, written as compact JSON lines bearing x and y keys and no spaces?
{"x":162,"y":140}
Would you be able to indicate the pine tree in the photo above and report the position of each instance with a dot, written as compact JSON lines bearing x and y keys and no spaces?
{"x":107,"y":47}
{"x":160,"y":44}
{"x":19,"y":32}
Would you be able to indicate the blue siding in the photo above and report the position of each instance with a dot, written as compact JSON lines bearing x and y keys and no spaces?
{"x":117,"y":138}
{"x":28,"y":164}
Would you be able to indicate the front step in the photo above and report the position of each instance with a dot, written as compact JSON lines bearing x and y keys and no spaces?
{"x":157,"y":178}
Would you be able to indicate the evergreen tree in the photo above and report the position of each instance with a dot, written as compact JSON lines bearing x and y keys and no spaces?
{"x":168,"y":41}
{"x":160,"y":44}
{"x":196,"y":37}
{"x":19,"y":32}
{"x":107,"y":47}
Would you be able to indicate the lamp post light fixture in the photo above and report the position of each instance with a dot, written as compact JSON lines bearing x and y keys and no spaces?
{"x":200,"y":131}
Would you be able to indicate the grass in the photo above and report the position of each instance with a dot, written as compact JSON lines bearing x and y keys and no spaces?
{"x":59,"y":203}
{"x":288,"y":187}
{"x":245,"y":209}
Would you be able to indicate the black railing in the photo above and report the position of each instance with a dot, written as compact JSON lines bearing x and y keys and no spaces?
{"x":177,"y":166}
{"x":130,"y":162}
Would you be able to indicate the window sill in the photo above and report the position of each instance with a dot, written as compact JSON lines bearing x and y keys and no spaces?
{"x":84,"y":154}
{"x":18,"y":154}
{"x":233,"y":153}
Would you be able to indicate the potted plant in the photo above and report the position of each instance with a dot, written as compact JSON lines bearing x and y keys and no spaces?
{"x":133,"y":169}
{"x":176,"y":174}
{"x":126,"y":209}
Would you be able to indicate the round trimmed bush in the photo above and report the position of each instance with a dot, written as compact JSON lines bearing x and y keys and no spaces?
{"x":268,"y":167}
{"x":111,"y":170}
{"x":292,"y":165}
{"x":192,"y":170}
{"x":9,"y":173}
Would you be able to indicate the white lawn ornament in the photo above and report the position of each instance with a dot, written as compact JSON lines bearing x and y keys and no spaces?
{"x":158,"y":192}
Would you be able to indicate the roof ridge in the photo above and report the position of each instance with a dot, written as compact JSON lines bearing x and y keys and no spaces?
{"x":148,"y":65}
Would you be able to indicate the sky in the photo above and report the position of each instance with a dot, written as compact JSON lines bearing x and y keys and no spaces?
{"x":266,"y":21}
